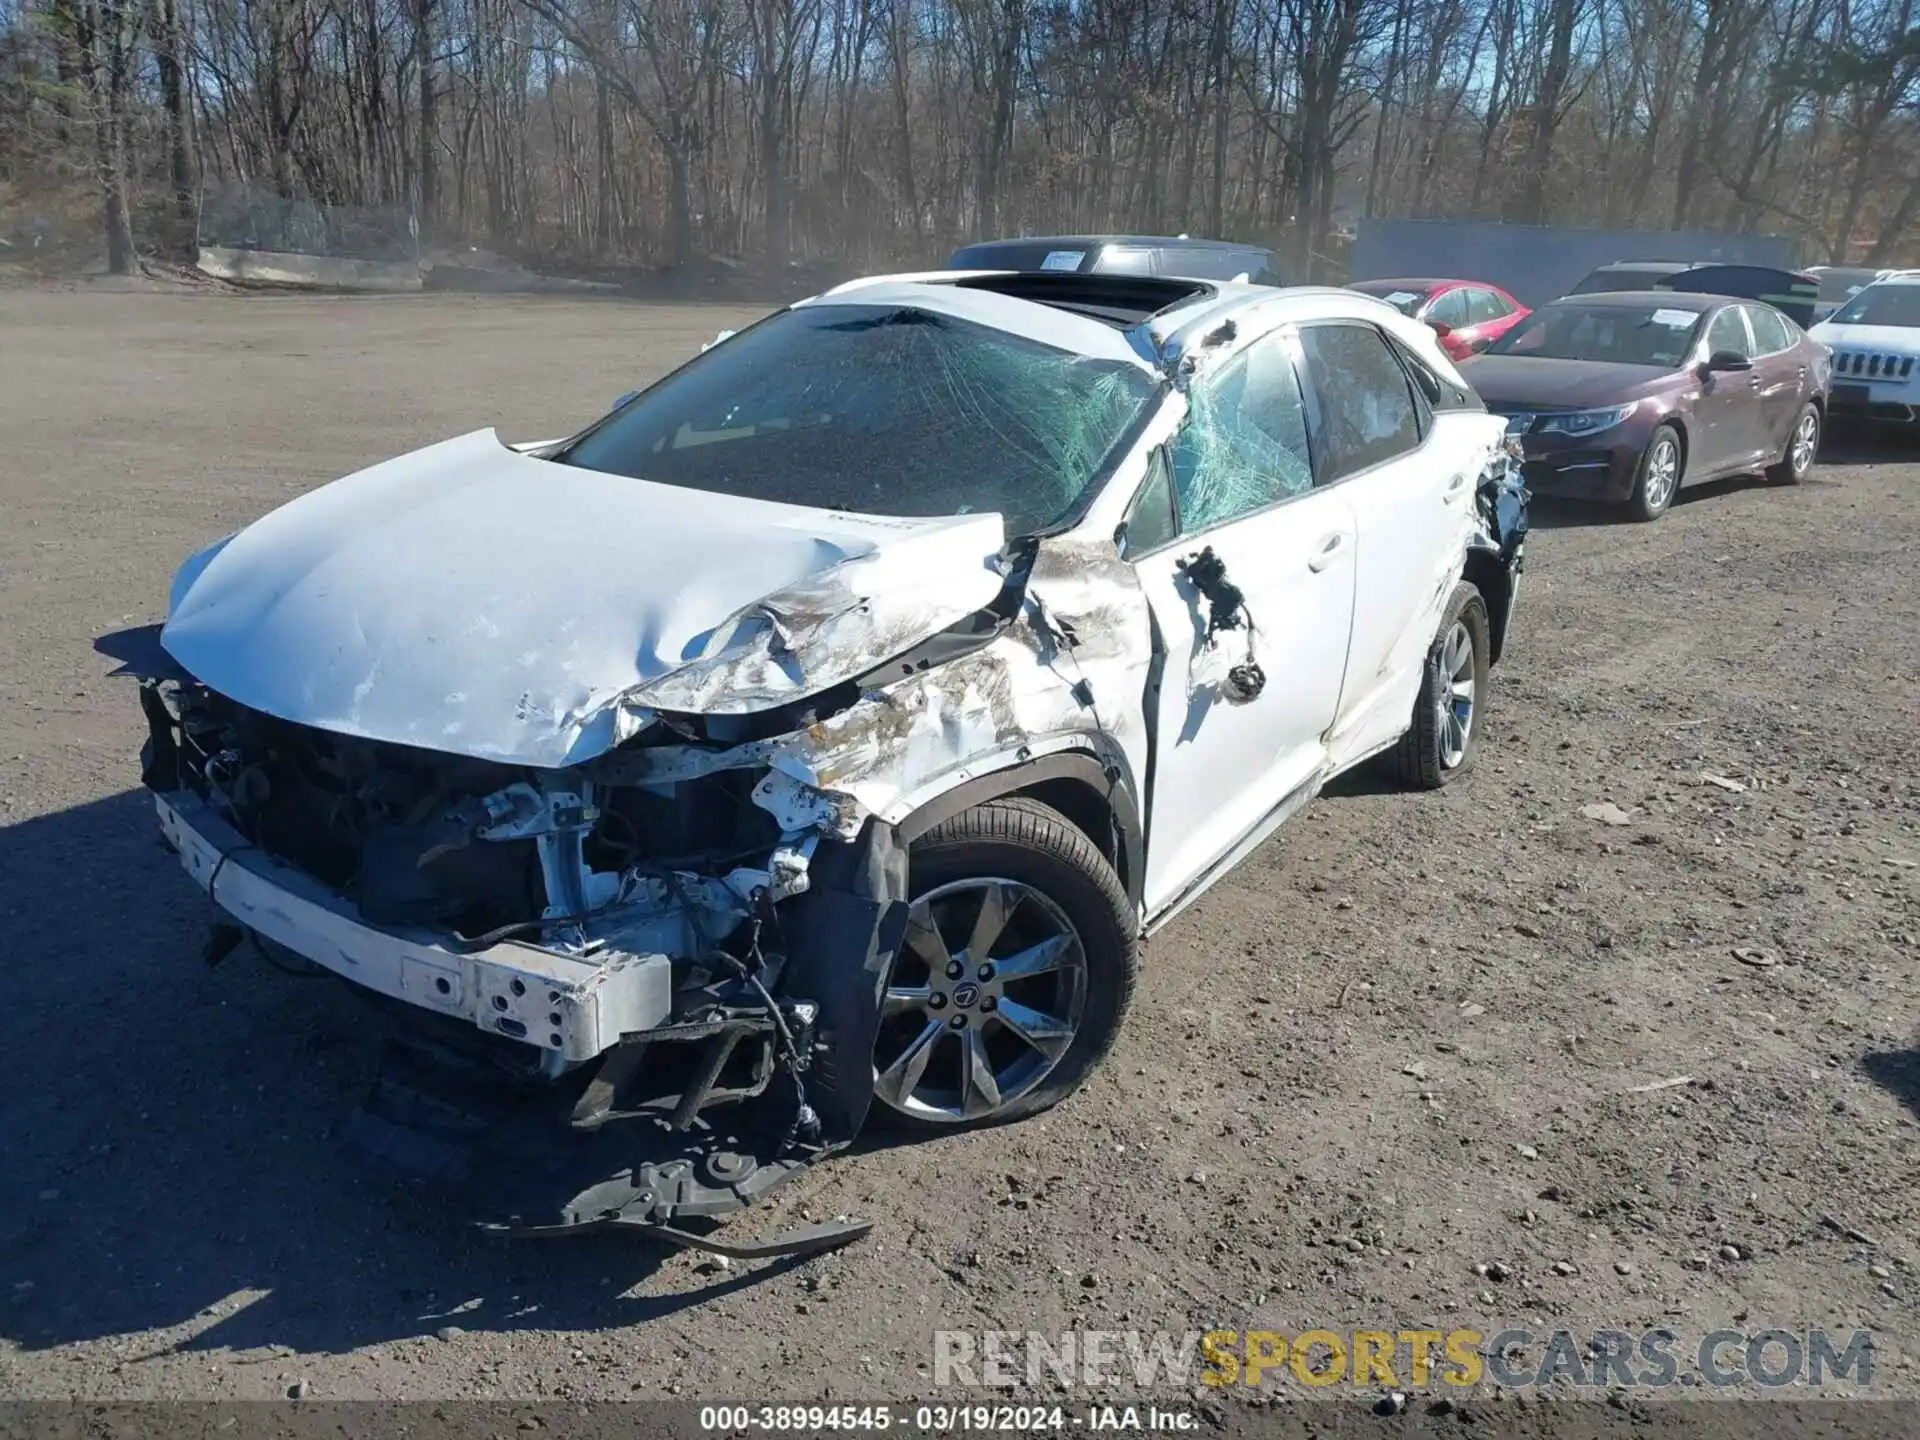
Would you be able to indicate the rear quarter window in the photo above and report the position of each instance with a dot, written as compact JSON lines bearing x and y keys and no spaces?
{"x":1128,"y":260}
{"x":1772,"y":331}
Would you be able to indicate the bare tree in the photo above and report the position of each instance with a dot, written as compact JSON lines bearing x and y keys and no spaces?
{"x":648,"y":131}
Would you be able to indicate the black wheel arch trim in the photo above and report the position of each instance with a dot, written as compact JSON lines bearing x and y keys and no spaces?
{"x":1092,"y":790}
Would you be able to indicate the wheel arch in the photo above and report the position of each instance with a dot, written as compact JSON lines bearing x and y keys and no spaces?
{"x":1094,"y":793}
{"x":1488,"y":574}
{"x":1678,"y":422}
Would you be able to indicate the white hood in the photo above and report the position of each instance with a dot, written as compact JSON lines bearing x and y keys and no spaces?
{"x":1890,"y":339}
{"x":470,"y":599}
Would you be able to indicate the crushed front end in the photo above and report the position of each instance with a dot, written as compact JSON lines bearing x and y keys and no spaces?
{"x":587,"y":969}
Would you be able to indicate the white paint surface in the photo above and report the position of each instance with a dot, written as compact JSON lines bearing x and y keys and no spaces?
{"x":470,"y":599}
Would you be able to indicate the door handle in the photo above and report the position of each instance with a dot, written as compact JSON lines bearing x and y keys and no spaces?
{"x":1456,"y":487}
{"x":1328,"y":552}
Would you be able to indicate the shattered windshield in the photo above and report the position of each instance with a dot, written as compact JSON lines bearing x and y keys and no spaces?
{"x":1881,"y":305}
{"x":1660,"y":334}
{"x":883,"y":410}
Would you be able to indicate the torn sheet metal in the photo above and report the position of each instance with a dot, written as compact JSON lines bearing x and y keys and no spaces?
{"x":1067,"y":672}
{"x":389,"y":606}
{"x":1502,"y":500}
{"x":838,"y":623}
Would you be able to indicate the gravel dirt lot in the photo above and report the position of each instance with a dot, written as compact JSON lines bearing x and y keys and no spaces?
{"x":1410,"y":1036}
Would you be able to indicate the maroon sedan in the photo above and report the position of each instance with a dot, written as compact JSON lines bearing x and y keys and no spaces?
{"x":1628,"y":396}
{"x":1467,"y":315}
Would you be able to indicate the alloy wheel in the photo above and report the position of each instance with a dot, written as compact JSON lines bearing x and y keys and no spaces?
{"x":1455,"y":695}
{"x":986,"y":996}
{"x":1663,"y":473}
{"x":1806,"y":440}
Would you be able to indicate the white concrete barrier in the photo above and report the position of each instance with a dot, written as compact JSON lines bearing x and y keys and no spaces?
{"x":329,"y":272}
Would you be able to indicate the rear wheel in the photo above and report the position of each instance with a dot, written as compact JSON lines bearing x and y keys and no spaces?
{"x":1439,"y":747}
{"x":1018,"y":965}
{"x":1803,"y":443}
{"x":1658,"y":481}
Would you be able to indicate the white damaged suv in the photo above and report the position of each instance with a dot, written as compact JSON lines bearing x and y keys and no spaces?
{"x":823,"y":728}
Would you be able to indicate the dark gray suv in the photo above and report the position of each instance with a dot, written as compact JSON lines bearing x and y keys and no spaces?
{"x":1178,"y":255}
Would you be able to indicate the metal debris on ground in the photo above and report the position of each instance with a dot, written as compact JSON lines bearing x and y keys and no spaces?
{"x":1607,"y":813}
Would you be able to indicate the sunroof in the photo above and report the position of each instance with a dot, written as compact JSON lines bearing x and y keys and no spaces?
{"x":1120,"y":300}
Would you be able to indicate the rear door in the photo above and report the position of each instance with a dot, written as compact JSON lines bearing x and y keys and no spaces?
{"x":1488,"y":315}
{"x":1449,"y":308}
{"x":1726,"y":431}
{"x":1780,"y":367}
{"x":1411,"y":493}
{"x":1232,"y":754}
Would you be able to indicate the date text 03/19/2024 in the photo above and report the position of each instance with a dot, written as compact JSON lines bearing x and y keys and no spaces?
{"x":941,"y":1419}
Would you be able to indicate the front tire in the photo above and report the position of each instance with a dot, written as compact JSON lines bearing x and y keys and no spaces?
{"x":1439,"y":747}
{"x":1662,"y":466}
{"x":1803,"y":443}
{"x":1018,"y":966}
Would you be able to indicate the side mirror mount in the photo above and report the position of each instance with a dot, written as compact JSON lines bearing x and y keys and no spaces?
{"x":1728,"y":360}
{"x":1477,"y":344}
{"x":1441,"y":328}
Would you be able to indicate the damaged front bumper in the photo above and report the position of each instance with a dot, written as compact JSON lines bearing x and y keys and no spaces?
{"x":644,"y":987}
{"x":573,"y":1006}
{"x":659,"y":1032}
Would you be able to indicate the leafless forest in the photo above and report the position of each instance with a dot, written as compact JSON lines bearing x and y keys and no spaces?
{"x":657,"y":131}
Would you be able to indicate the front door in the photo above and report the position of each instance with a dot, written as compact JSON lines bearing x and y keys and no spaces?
{"x":1247,"y":690}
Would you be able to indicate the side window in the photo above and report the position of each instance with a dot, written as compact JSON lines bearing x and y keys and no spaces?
{"x":1368,"y":413}
{"x":1439,"y":394}
{"x":1728,"y":331}
{"x":1770,"y":333}
{"x":1244,"y":445}
{"x":1191,"y":262}
{"x":1450,"y":309}
{"x":1126,"y":260}
{"x":1486,"y":306}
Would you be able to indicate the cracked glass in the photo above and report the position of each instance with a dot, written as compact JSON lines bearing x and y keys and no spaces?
{"x":881,"y":410}
{"x":1244,"y":445}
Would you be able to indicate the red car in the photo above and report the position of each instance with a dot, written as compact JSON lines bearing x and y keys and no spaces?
{"x":1467,"y":315}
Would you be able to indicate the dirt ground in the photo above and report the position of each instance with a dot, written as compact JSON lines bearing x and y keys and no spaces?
{"x":1412,"y":1035}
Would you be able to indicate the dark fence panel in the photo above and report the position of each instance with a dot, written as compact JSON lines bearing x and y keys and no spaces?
{"x":1537,"y":263}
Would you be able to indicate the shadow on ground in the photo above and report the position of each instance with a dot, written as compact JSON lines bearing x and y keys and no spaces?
{"x":1554,"y":512}
{"x":169,"y":1146}
{"x":1852,"y":445}
{"x":1898,"y":1073}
